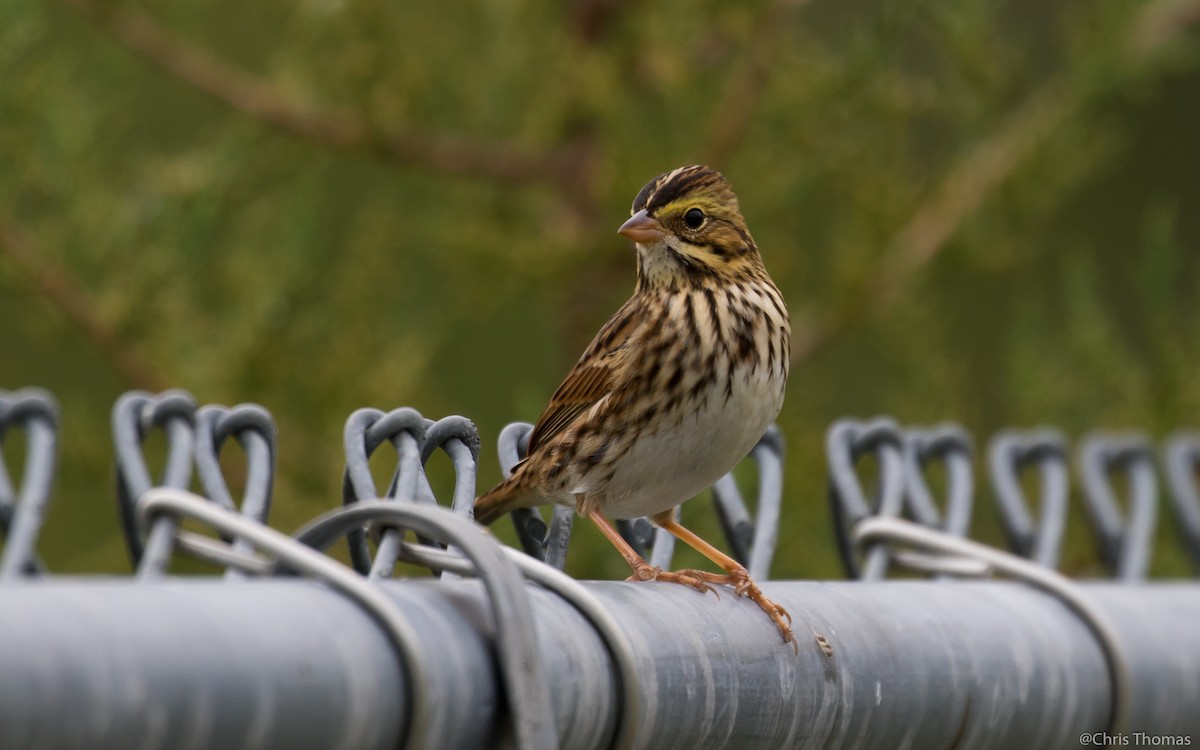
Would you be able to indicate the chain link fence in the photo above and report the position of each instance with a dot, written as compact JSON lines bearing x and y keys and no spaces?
{"x":294,"y":649}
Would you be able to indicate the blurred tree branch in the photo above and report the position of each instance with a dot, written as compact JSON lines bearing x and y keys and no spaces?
{"x":963,"y":191}
{"x":59,"y":287}
{"x":735,"y":110}
{"x":969,"y":184}
{"x":338,"y":128}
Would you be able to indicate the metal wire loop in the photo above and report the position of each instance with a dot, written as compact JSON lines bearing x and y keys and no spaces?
{"x":251,"y":425}
{"x":416,"y":440}
{"x":366,"y":430}
{"x":615,"y":640}
{"x":846,"y":442}
{"x":899,"y":531}
{"x":1012,"y":452}
{"x":459,"y":439}
{"x":515,"y":628}
{"x":950,"y":445}
{"x":22,"y":511}
{"x":1124,"y":539}
{"x":134,"y":416}
{"x":1181,"y":459}
{"x":286,"y":552}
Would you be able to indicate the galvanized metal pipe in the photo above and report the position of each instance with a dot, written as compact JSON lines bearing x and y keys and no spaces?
{"x":273,"y":663}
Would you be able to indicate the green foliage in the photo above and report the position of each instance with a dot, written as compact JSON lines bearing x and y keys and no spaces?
{"x":232,"y":252}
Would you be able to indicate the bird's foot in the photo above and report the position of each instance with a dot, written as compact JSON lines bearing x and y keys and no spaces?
{"x":739,"y":578}
{"x":743,"y":585}
{"x":713,"y":579}
{"x":690,"y":578}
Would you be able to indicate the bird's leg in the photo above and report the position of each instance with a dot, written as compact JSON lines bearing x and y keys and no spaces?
{"x":642,"y":570}
{"x":736,"y":574}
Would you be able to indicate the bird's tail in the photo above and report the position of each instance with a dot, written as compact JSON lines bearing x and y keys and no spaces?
{"x":504,"y":498}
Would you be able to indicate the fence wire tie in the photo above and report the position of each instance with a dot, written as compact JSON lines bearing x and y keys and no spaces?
{"x":615,"y":640}
{"x":23,"y":511}
{"x":1011,"y":452}
{"x":295,"y":556}
{"x":525,"y":685}
{"x":899,"y":531}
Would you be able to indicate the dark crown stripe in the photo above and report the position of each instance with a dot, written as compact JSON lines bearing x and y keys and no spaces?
{"x":669,"y":186}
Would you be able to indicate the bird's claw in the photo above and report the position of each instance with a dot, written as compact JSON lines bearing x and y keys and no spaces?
{"x":744,"y":586}
{"x":703,"y":581}
{"x":778,"y":615}
{"x":704,"y":577}
{"x":685,"y":577}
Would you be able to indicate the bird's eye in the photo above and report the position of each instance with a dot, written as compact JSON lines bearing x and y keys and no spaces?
{"x":693,"y":218}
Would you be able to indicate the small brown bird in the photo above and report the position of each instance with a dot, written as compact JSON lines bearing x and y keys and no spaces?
{"x":674,"y":390}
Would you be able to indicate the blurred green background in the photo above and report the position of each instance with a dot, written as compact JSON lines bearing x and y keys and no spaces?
{"x":980,"y":211}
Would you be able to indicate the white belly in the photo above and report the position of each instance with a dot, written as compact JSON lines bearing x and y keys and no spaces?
{"x":682,"y":459}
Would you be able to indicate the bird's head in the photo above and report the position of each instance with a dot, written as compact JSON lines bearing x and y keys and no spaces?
{"x":689,"y":230}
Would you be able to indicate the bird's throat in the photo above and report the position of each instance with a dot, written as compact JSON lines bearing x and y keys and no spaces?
{"x":657,"y":267}
{"x":662,"y":267}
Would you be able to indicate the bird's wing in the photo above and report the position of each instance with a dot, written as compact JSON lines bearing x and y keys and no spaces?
{"x":590,"y":380}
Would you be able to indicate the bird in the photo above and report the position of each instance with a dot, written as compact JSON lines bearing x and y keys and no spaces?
{"x":675,"y":389}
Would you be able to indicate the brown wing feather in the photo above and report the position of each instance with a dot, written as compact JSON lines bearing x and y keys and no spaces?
{"x":590,"y":380}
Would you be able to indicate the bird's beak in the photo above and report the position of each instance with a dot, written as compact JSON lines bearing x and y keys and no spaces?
{"x":643,"y":228}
